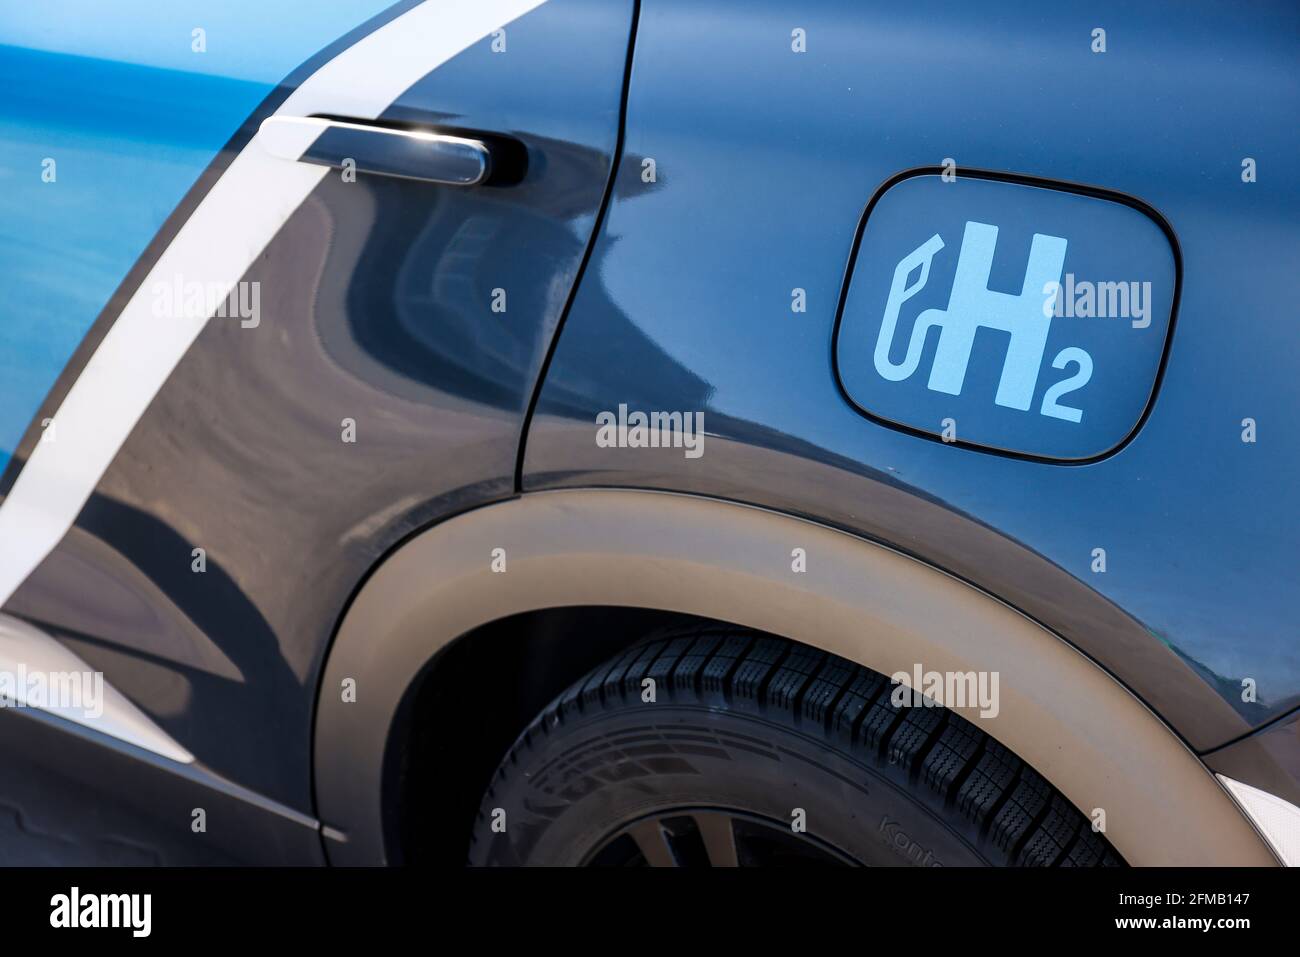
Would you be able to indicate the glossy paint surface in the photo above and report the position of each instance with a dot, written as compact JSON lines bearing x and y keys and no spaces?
{"x":383,"y":388}
{"x":764,"y":159}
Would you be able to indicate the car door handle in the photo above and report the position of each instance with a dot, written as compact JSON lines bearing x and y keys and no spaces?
{"x":380,"y":150}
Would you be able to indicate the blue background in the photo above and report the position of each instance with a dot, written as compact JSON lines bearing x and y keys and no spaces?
{"x":132,"y":115}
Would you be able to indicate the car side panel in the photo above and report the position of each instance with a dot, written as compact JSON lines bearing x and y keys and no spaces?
{"x":764,"y":159}
{"x":379,"y":391}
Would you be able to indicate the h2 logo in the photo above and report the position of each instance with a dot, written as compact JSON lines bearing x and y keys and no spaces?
{"x":972,"y":366}
{"x":1026,"y":317}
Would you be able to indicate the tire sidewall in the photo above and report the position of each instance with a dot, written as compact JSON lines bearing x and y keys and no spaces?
{"x":567,"y":790}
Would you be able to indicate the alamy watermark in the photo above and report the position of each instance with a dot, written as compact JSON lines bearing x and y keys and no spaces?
{"x":946,"y":689}
{"x":1084,"y":299}
{"x":67,"y":692}
{"x":182,"y":299}
{"x":651,"y":430}
{"x":133,"y":912}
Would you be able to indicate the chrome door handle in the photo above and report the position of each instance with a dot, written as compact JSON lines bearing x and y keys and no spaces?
{"x":379,"y":150}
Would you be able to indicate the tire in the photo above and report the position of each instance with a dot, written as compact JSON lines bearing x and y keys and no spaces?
{"x":746,"y":731}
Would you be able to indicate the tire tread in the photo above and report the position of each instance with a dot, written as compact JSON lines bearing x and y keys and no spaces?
{"x":1027,"y":820}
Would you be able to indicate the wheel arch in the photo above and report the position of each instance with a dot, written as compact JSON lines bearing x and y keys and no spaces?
{"x":1058,"y":710}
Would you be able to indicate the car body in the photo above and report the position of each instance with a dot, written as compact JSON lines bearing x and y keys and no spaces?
{"x":289,"y":532}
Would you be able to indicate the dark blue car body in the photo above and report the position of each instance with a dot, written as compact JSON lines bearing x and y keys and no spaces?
{"x":681,"y":237}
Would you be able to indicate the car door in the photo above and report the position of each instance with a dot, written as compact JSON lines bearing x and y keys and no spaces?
{"x":280,"y":278}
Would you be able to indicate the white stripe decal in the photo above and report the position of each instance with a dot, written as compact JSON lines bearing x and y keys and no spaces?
{"x":28,"y":653}
{"x":227,"y":231}
{"x":1277,"y":819}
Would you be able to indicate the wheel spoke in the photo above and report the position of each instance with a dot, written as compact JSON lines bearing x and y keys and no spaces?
{"x":719,"y":838}
{"x":653,"y":842}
